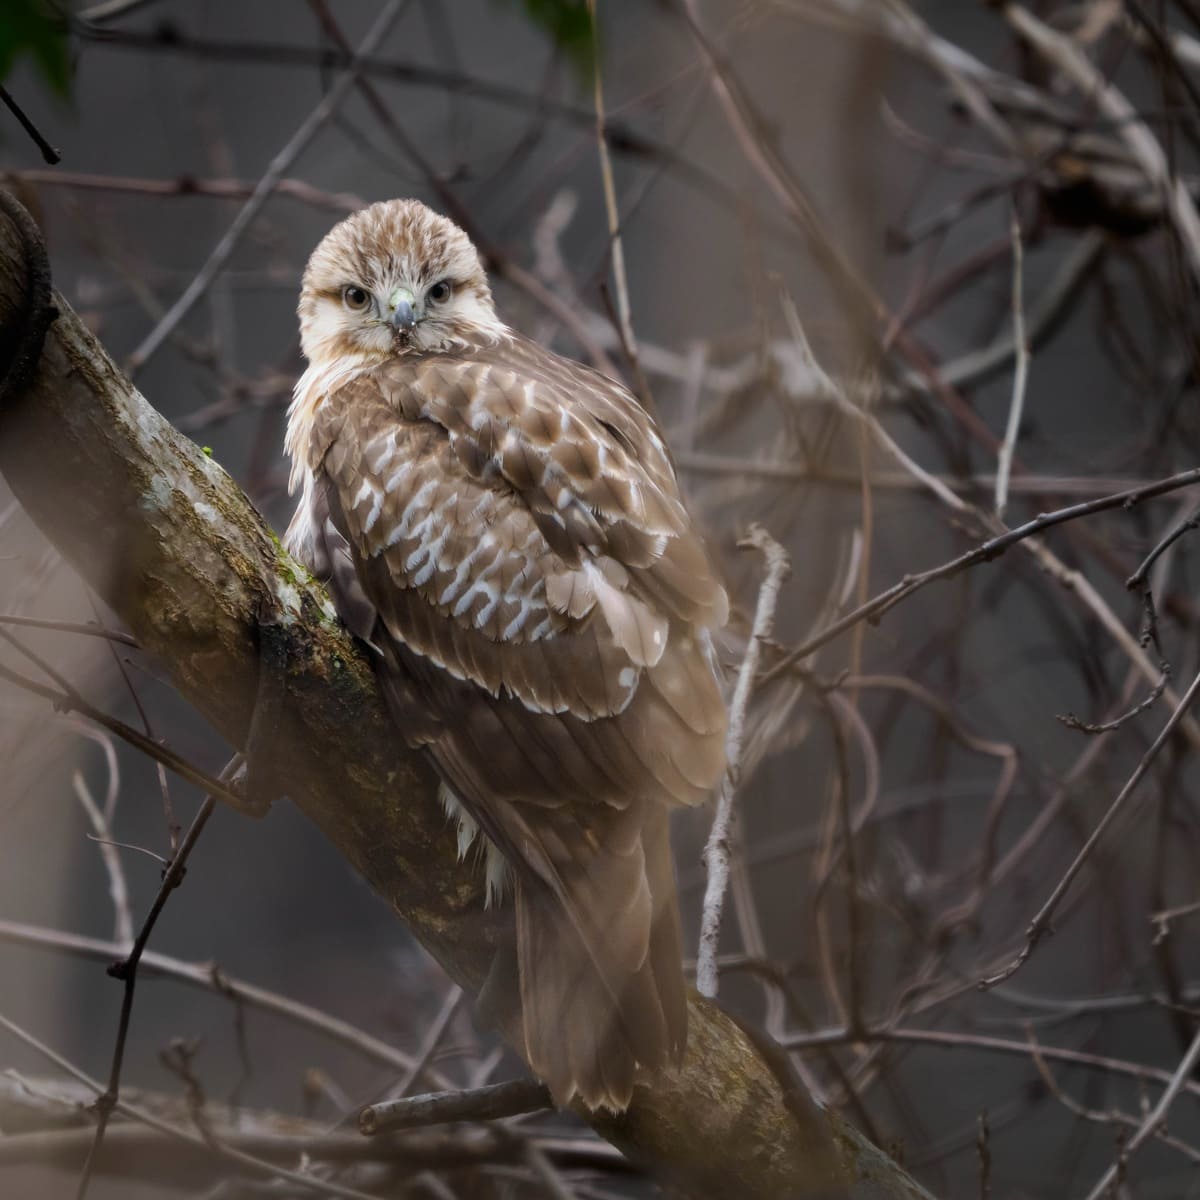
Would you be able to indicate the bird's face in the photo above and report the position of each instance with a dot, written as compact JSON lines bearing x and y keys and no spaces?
{"x":395,"y":278}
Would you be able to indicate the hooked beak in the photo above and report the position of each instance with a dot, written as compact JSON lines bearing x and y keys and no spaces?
{"x":400,"y":310}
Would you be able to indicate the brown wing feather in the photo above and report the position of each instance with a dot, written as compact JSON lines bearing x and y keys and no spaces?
{"x":515,"y":530}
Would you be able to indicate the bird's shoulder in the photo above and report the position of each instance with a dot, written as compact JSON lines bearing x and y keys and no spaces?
{"x":486,"y":499}
{"x":574,"y":444}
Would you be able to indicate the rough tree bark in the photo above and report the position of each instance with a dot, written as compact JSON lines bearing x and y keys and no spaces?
{"x":172,"y":544}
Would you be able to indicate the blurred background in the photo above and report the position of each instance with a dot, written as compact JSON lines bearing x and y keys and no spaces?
{"x":900,"y":277}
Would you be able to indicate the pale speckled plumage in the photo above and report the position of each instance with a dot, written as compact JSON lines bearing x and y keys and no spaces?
{"x":504,"y":527}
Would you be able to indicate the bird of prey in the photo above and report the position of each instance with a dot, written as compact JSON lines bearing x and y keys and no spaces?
{"x":503,"y":527}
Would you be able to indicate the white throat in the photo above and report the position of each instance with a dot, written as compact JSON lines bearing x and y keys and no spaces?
{"x":317,"y":382}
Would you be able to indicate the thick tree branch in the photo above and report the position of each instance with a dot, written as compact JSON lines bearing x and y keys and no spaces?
{"x":172,"y":544}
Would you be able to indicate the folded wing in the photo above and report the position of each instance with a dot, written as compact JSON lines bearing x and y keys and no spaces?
{"x":505,"y":529}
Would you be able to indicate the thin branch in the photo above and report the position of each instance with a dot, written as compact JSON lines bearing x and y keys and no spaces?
{"x":1040,"y":925}
{"x":48,"y":152}
{"x":945,"y":1039}
{"x":623,"y":137}
{"x":68,"y":700}
{"x":787,"y":472}
{"x":432,"y":1039}
{"x":1154,"y":1121}
{"x":221,"y":1149}
{"x":210,"y":977}
{"x":88,"y":630}
{"x":51,"y":1110}
{"x":1162,"y":919}
{"x":190,"y":185}
{"x":984,"y":1146}
{"x":1138,"y":578}
{"x":490,"y":1103}
{"x":1071,"y":721}
{"x":164,"y":785}
{"x":984,"y":552}
{"x":860,"y":412}
{"x":716,"y":850}
{"x":126,"y":970}
{"x":1044,"y":313}
{"x":1109,"y":1117}
{"x":1020,"y":371}
{"x":158,"y":858}
{"x":616,"y":244}
{"x":117,"y":887}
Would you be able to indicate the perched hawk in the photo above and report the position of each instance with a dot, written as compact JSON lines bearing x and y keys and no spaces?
{"x":504,"y":527}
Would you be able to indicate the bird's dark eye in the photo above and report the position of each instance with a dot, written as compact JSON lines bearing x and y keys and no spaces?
{"x":440,"y":291}
{"x":355,"y":297}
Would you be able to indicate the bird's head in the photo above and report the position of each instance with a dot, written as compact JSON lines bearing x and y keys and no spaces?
{"x":395,"y":278}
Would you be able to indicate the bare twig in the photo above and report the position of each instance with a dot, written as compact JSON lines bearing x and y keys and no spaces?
{"x":190,"y":185}
{"x":210,"y":977}
{"x":89,"y":630}
{"x":107,"y":9}
{"x":1020,"y":372}
{"x":219,"y":1148}
{"x":1044,"y":312}
{"x":716,"y":850}
{"x":117,"y":888}
{"x":1162,"y":919}
{"x":1040,"y":925}
{"x":1154,"y":1121}
{"x":126,"y":971}
{"x":1104,"y":1117}
{"x":983,"y":1141}
{"x":616,"y":244}
{"x":1138,"y":578}
{"x":945,"y":1039}
{"x":440,"y":1108}
{"x":68,"y":700}
{"x":48,"y":152}
{"x":432,"y":1039}
{"x":1071,"y":721}
{"x":984,"y":552}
